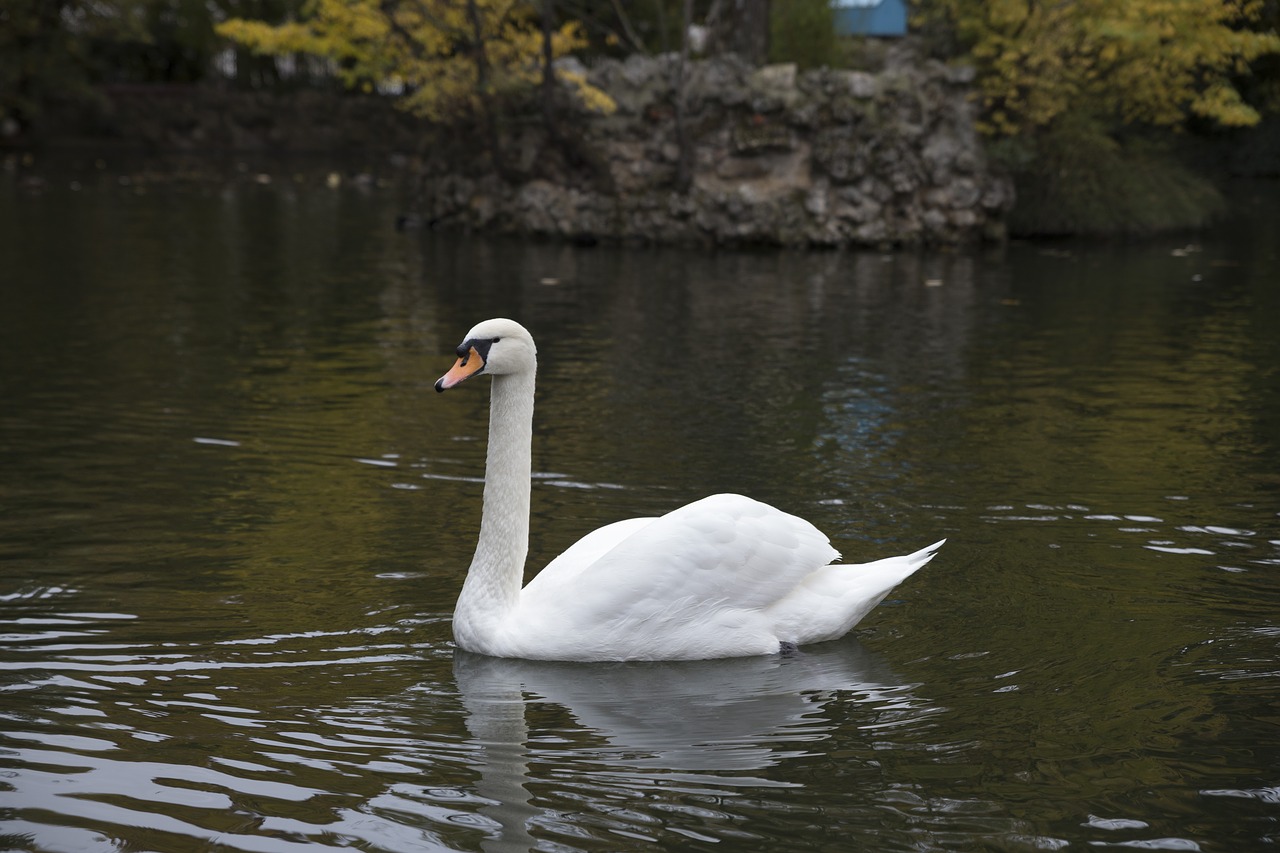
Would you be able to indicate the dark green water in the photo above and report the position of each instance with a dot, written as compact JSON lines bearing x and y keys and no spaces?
{"x":234,"y":518}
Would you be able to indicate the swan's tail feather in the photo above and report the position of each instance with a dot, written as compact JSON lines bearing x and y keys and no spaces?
{"x":924,"y":555}
{"x":891,"y":571}
{"x":835,"y":598}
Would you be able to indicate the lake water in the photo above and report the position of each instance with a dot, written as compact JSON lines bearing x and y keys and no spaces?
{"x":234,"y":518}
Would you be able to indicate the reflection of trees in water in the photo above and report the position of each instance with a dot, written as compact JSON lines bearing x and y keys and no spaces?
{"x":706,"y":371}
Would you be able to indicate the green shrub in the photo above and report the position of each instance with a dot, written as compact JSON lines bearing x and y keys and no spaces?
{"x":1074,"y":177}
{"x":804,"y":32}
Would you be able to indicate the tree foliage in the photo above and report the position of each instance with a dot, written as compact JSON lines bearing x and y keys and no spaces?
{"x":452,"y":57}
{"x":1151,"y":62}
{"x":58,"y":51}
{"x":46,"y":49}
{"x":804,"y":32}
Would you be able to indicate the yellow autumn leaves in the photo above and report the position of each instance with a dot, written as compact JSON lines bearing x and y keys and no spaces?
{"x":447,"y":56}
{"x":1154,"y":62}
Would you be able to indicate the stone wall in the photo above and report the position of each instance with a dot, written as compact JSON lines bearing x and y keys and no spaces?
{"x":779,"y":157}
{"x":815,"y":158}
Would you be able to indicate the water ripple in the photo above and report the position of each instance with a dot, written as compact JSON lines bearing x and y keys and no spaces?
{"x":1149,"y":531}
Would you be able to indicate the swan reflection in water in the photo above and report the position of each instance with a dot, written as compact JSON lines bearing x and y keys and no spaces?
{"x":672,"y":720}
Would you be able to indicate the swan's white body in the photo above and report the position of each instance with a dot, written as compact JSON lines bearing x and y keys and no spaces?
{"x":726,"y":576}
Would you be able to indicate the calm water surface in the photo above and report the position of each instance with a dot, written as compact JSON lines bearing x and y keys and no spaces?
{"x":234,"y":519}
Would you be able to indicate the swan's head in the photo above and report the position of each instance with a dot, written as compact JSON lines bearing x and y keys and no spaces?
{"x":495,"y":347}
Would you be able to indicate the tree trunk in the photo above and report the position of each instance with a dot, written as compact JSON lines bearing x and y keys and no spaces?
{"x":684,"y":168}
{"x":664,"y":43}
{"x":741,"y":27}
{"x":548,"y":70}
{"x":484,"y":90}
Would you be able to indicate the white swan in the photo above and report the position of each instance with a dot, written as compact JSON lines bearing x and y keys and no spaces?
{"x":725,"y":576}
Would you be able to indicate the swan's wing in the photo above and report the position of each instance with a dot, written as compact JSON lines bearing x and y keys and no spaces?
{"x":564,"y":569}
{"x":722,"y":553}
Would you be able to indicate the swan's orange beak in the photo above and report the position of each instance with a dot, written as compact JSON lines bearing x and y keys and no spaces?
{"x":466,"y":366}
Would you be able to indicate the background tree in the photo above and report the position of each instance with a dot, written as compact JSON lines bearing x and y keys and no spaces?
{"x":47,"y":50}
{"x":454,"y":60}
{"x":741,"y":27}
{"x":252,"y":69}
{"x":1081,"y":98}
{"x":1155,"y":62}
{"x":452,"y":57}
{"x":59,"y":51}
{"x":172,"y":42}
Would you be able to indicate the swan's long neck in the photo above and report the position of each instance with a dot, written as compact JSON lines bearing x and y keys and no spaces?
{"x":493,"y":583}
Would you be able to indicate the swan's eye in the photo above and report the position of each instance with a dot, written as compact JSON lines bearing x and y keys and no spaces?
{"x":495,"y":340}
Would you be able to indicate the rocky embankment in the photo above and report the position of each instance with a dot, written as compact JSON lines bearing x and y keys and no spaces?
{"x":776,"y":156}
{"x":815,"y":158}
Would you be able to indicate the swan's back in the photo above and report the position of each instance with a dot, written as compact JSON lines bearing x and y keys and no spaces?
{"x":715,"y":578}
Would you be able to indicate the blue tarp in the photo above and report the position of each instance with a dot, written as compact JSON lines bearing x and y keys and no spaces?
{"x":871,"y":17}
